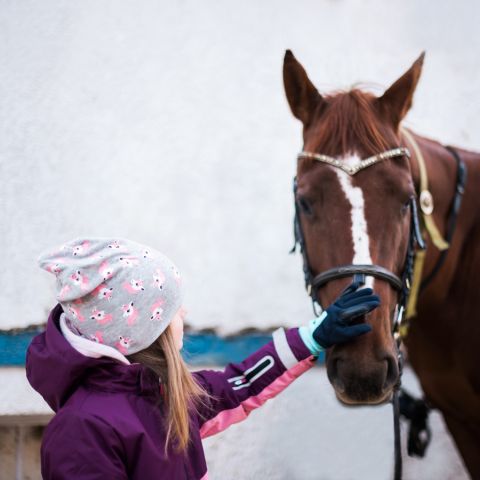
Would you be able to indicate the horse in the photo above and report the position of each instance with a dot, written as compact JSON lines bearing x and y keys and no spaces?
{"x":357,"y":216}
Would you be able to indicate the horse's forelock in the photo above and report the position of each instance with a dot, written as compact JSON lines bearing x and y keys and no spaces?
{"x":350,"y":122}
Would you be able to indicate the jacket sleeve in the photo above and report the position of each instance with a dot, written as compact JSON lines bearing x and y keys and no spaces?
{"x":247,"y":385}
{"x":81,"y":446}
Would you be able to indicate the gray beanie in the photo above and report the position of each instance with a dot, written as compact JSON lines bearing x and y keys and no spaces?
{"x":115,"y":291}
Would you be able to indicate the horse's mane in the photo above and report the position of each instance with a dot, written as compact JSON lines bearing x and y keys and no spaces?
{"x":350,"y":121}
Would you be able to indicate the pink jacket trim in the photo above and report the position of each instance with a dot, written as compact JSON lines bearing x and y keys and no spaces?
{"x":234,"y":415}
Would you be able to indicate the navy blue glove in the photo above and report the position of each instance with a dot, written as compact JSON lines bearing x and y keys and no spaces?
{"x":333,"y":325}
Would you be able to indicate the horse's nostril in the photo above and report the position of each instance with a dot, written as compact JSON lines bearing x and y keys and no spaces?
{"x":392,"y":373}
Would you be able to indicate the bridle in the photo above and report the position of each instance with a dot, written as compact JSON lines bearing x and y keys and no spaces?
{"x":401,"y":283}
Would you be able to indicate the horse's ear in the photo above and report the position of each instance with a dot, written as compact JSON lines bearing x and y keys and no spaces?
{"x":302,"y":96}
{"x":397,"y":100}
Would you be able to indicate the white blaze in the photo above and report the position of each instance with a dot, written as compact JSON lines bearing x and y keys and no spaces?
{"x":361,"y":243}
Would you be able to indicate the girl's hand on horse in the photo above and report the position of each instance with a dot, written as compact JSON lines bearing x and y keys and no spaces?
{"x":333,"y":326}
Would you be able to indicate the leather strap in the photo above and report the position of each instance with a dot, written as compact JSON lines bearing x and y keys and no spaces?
{"x":425,"y":197}
{"x":349,"y":270}
{"x":452,"y":217}
{"x":417,"y":284}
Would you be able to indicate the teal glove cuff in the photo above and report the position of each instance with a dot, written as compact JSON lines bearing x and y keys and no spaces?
{"x":306,"y":334}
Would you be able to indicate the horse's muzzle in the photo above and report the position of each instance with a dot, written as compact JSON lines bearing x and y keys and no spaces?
{"x":360,"y":381}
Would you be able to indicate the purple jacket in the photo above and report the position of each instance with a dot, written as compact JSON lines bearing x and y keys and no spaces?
{"x":108,"y":422}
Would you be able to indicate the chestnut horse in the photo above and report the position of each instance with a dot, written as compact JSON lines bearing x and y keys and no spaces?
{"x":365,"y":219}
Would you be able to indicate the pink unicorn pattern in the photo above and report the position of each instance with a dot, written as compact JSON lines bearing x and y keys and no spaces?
{"x":123,"y":344}
{"x":134,"y":286}
{"x":54,"y":268}
{"x":130,"y":313}
{"x":128,"y":261}
{"x":79,"y":280}
{"x":100,"y":316}
{"x":115,"y":245}
{"x":176,"y":275}
{"x":97,"y":337}
{"x":75,"y":313}
{"x":79,"y":249}
{"x":158,"y":279}
{"x":157,"y":310}
{"x":106,"y":271}
{"x":102,"y":292}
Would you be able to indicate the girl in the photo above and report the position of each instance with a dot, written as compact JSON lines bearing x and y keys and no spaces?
{"x":109,"y":365}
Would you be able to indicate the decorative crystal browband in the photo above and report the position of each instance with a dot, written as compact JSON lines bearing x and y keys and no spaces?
{"x":353,"y":169}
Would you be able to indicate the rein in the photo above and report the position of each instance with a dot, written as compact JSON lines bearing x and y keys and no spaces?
{"x":413,"y":262}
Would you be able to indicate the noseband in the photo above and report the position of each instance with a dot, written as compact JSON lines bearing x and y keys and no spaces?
{"x":401,"y":284}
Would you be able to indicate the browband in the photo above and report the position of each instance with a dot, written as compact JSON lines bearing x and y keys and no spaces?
{"x":353,"y":169}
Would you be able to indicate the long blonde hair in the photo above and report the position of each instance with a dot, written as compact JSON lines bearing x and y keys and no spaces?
{"x":182,"y":393}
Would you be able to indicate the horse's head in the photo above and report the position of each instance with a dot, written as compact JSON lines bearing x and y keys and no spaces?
{"x":355,"y":219}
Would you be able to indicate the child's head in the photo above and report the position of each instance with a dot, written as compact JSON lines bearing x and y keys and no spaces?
{"x":129,"y":296}
{"x":115,"y":291}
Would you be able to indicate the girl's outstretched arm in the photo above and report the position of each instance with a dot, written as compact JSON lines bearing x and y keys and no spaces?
{"x":247,"y":385}
{"x":241,"y":387}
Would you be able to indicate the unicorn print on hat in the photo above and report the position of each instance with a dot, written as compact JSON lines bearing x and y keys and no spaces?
{"x":176,"y":274}
{"x":96,"y":337}
{"x":79,"y":249}
{"x":79,"y":280}
{"x":158,"y":279}
{"x":54,"y":268}
{"x":75,"y":313}
{"x":115,"y":245}
{"x":103,"y":292}
{"x":128,"y":261}
{"x":134,"y":286}
{"x":157,"y":310}
{"x":123,"y":344}
{"x":130,"y":313}
{"x":105,"y":270}
{"x":100,"y":316}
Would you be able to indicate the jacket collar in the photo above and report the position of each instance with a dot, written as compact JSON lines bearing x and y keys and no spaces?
{"x":56,"y":370}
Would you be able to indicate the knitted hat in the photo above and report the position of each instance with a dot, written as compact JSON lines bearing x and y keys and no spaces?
{"x":115,"y":291}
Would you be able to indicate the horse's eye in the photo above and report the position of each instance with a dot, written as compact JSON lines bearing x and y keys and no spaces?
{"x":305,"y":206}
{"x":405,"y":207}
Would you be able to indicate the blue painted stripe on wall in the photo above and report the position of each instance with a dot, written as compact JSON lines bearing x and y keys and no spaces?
{"x":199,"y":348}
{"x":14,"y":346}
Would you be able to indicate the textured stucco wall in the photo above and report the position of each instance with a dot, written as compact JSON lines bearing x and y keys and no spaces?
{"x":166,"y":122}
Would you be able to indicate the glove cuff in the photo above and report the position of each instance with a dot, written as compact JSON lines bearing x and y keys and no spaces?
{"x":306,"y":334}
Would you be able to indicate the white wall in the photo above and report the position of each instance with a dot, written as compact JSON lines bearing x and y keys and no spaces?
{"x":166,"y":122}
